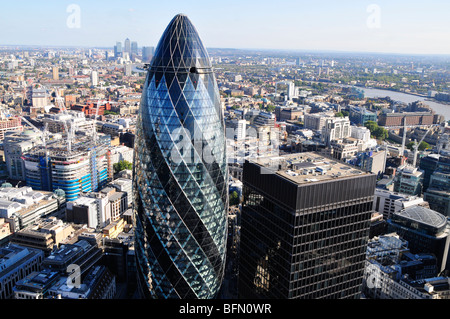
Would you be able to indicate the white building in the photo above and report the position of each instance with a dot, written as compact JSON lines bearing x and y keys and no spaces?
{"x":336,"y":128}
{"x":23,"y":206}
{"x":363,"y":133}
{"x":94,"y":78}
{"x":121,"y":153}
{"x":388,"y":202}
{"x":15,"y":145}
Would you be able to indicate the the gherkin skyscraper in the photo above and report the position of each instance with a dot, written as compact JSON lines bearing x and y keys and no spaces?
{"x":180,"y":172}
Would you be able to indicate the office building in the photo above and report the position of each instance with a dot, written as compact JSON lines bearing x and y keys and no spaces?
{"x":128,"y":69}
{"x":125,"y":186}
{"x":147,"y":54}
{"x":425,"y":230}
{"x":438,"y":191}
{"x":98,"y":283}
{"x":372,"y":161}
{"x":264,"y":119}
{"x":40,"y":99}
{"x":82,"y":253}
{"x":22,"y":206}
{"x":181,"y":193}
{"x":94,"y":78}
{"x":15,"y":145}
{"x":134,"y":48}
{"x":316,"y":121}
{"x":127,"y":46}
{"x":118,"y":50}
{"x":55,"y":73}
{"x":79,"y":167}
{"x":428,"y":165}
{"x":304,"y":228}
{"x":17,"y":262}
{"x":237,"y":128}
{"x":121,"y":153}
{"x":408,"y":180}
{"x":10,"y":124}
{"x":345,"y":149}
{"x":83,"y":210}
{"x":390,"y":268}
{"x":359,"y":115}
{"x":44,"y":234}
{"x":336,"y":128}
{"x":36,"y":285}
{"x":412,"y":118}
{"x":388,"y":202}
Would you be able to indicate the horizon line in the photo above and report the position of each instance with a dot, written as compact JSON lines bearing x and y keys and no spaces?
{"x":231,"y":48}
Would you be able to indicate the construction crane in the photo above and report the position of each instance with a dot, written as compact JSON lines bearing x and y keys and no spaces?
{"x":44,"y":142}
{"x":404,"y":137}
{"x":69,"y":136}
{"x":31,"y":125}
{"x":60,"y":102}
{"x":69,"y":130}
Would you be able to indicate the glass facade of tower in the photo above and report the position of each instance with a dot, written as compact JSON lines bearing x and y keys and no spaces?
{"x":180,"y":172}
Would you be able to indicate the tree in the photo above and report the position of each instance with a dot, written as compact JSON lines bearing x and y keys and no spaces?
{"x":121,"y":165}
{"x":376,"y":131}
{"x":381,"y":133}
{"x":423,"y":146}
{"x":270,"y":108}
{"x":234,"y":198}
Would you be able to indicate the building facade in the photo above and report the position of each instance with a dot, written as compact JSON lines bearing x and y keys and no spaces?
{"x":425,"y":230}
{"x":16,"y":262}
{"x":180,"y":172}
{"x":304,"y":228}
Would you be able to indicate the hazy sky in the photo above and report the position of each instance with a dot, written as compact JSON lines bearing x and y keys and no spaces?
{"x":395,"y":26}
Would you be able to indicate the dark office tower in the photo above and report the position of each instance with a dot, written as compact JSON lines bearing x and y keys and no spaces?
{"x":304,"y":228}
{"x":438,"y":192}
{"x":180,"y":172}
{"x":127,"y":45}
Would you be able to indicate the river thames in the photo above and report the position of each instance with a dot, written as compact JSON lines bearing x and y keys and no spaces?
{"x":439,"y":108}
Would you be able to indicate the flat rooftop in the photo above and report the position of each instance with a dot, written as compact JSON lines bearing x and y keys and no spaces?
{"x":302,"y":168}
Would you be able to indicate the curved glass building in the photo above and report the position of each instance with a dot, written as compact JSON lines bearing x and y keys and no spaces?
{"x":180,"y":172}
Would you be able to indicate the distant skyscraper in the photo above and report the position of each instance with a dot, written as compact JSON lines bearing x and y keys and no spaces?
{"x":118,"y":50}
{"x":94,"y":78}
{"x":180,"y":172}
{"x":127,"y":46}
{"x":55,"y":73}
{"x":127,"y":69}
{"x":134,"y":47}
{"x":147,"y":53}
{"x":304,"y":228}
